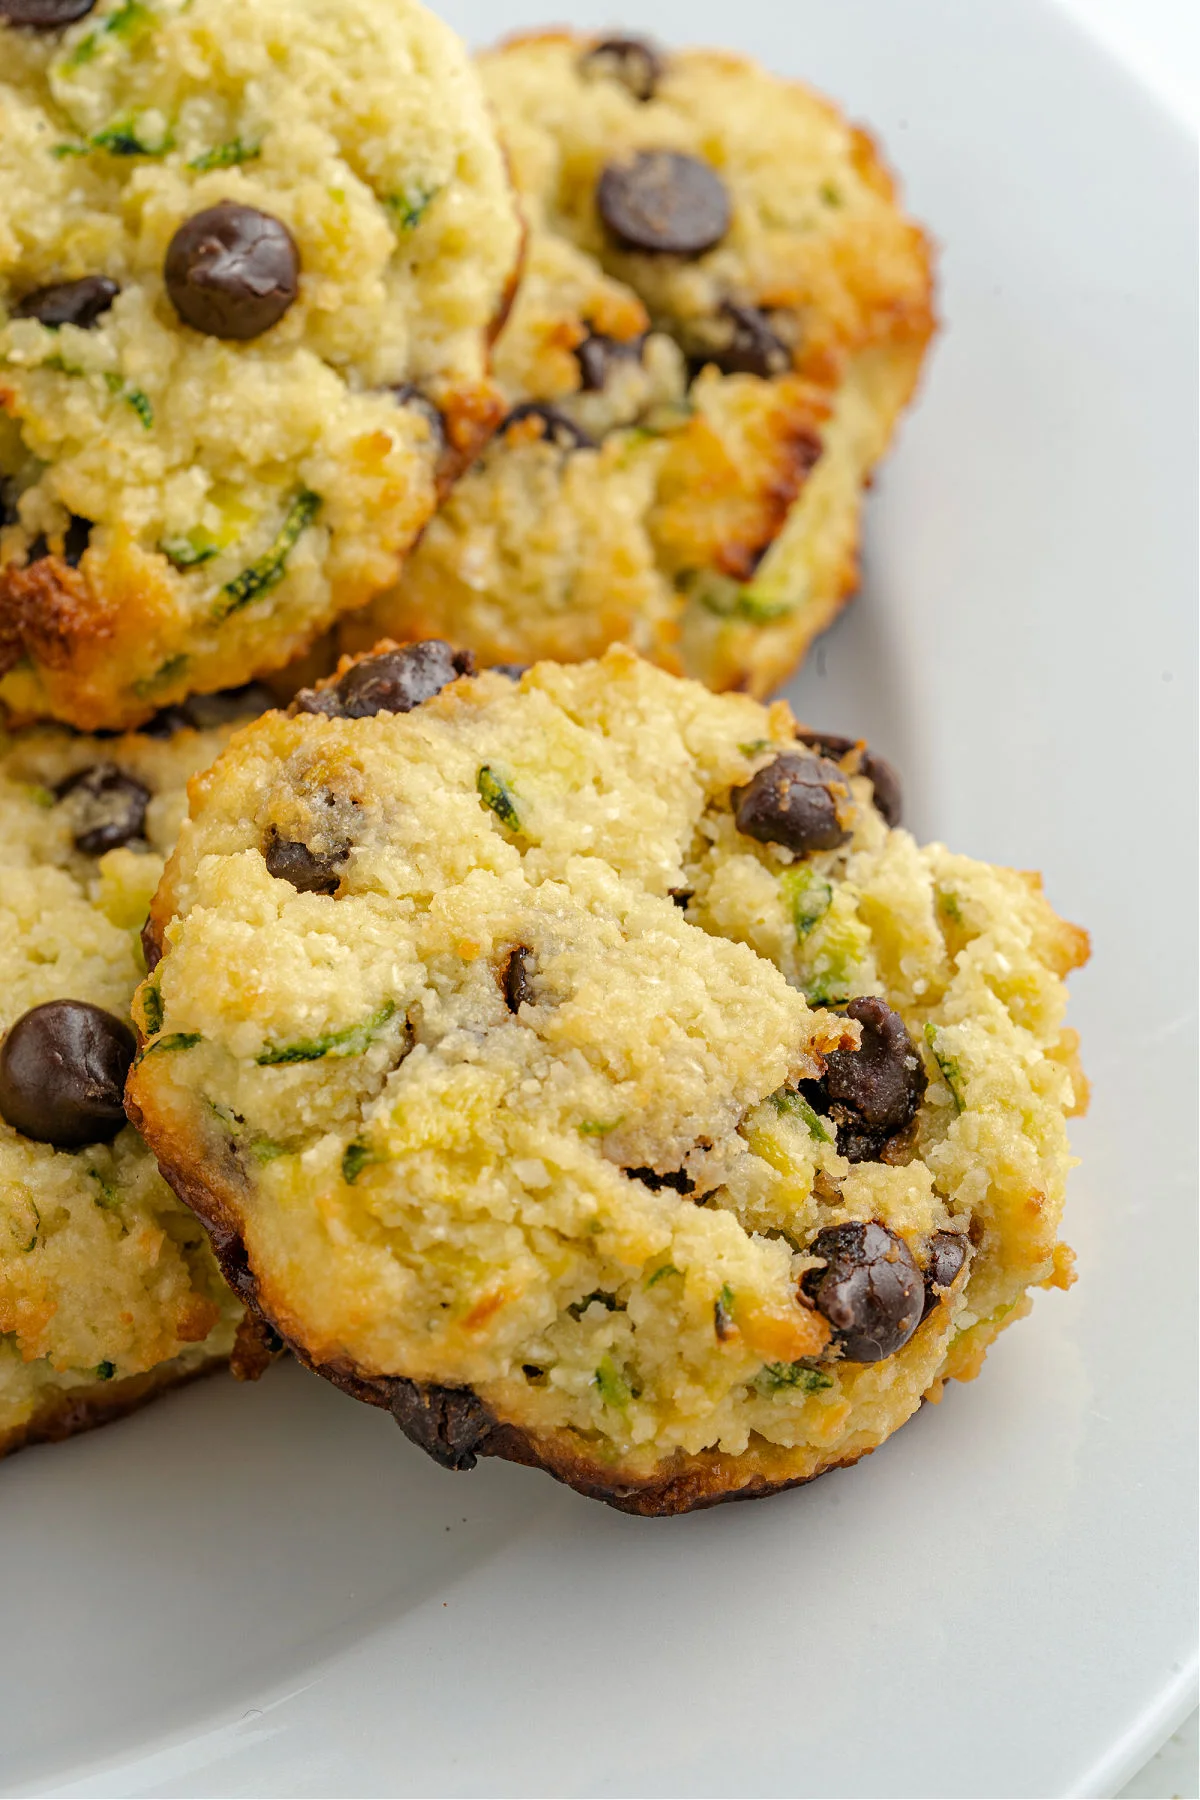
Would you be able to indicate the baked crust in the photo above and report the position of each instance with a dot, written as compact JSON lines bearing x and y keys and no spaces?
{"x":66,"y":1414}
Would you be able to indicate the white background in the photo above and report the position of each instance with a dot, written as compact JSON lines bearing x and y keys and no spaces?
{"x":1160,"y":39}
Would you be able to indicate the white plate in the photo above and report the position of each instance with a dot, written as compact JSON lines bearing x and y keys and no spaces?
{"x":269,"y":1592}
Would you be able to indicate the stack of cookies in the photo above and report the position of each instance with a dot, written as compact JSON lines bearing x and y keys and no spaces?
{"x":519,"y":1019}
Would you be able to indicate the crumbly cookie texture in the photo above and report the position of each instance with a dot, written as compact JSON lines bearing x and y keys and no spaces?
{"x":581,"y":1066}
{"x":251,"y":257}
{"x":108,"y":1290}
{"x":695,"y":487}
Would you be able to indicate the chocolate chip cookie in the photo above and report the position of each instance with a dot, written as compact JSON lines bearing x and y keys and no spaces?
{"x":725,"y":304}
{"x":590,"y":1069}
{"x":108,"y":1291}
{"x":251,"y":257}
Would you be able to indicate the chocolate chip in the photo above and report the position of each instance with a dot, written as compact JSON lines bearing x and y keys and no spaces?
{"x":873,"y":1092}
{"x":150,"y":950}
{"x":947,"y":1254}
{"x":62,"y":1074}
{"x":406,"y":393}
{"x":232,"y":271}
{"x":801,"y":802}
{"x":679,"y":1179}
{"x":69,"y":302}
{"x":202,"y":712}
{"x":309,"y":871}
{"x":665,"y":202}
{"x":395,"y":681}
{"x":511,"y":671}
{"x":10,"y":512}
{"x":44,"y":15}
{"x":636,"y":64}
{"x":870,"y":1289}
{"x":557,"y":429}
{"x":751,"y":348}
{"x":516,"y":979}
{"x":597,"y":354}
{"x":75,"y":541}
{"x":889,"y":797}
{"x":682,"y":897}
{"x":108,"y":807}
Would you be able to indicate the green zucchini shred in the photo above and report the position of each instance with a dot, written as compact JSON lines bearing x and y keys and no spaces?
{"x":355,"y":1158}
{"x":614,"y":1389}
{"x":598,"y":1127}
{"x":110,"y":1199}
{"x":105,"y":1371}
{"x":174,"y":1040}
{"x":728,"y":599}
{"x":497,"y":797}
{"x":808,"y":897}
{"x":167,"y":671}
{"x":352,"y":1040}
{"x":129,"y":23}
{"x":949,"y":1067}
{"x":409,"y":206}
{"x":195,"y":547}
{"x":152,"y":1010}
{"x":121,"y":139}
{"x":778,"y":1378}
{"x":226,"y":156}
{"x":267,"y":571}
{"x":791,"y":1104}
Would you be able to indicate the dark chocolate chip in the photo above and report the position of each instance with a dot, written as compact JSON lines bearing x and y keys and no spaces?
{"x":597,"y":354}
{"x":44,"y":15}
{"x":665,"y":202}
{"x":682,"y":897}
{"x":889,"y":797}
{"x":9,"y":510}
{"x":62,"y":1074}
{"x":70,"y":302}
{"x":947,"y":1254}
{"x":75,"y":542}
{"x":873,"y":1092}
{"x":406,"y":393}
{"x":232,"y":271}
{"x":516,"y":979}
{"x":751,"y":348}
{"x":512,"y":671}
{"x":108,"y":807}
{"x":202,"y":712}
{"x":870,"y":1289}
{"x":76,"y":539}
{"x":679,"y":1179}
{"x":309,"y":871}
{"x":801,"y":802}
{"x":394,"y":681}
{"x":635,"y":63}
{"x":557,"y":429}
{"x":150,"y":949}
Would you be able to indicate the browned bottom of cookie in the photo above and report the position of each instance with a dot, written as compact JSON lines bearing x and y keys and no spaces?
{"x":455,"y":1428}
{"x":64,"y":1415}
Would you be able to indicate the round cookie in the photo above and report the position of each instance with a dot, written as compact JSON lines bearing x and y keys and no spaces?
{"x":731,"y":401}
{"x":251,"y":258}
{"x":108,"y":1290}
{"x":581,"y":1066}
